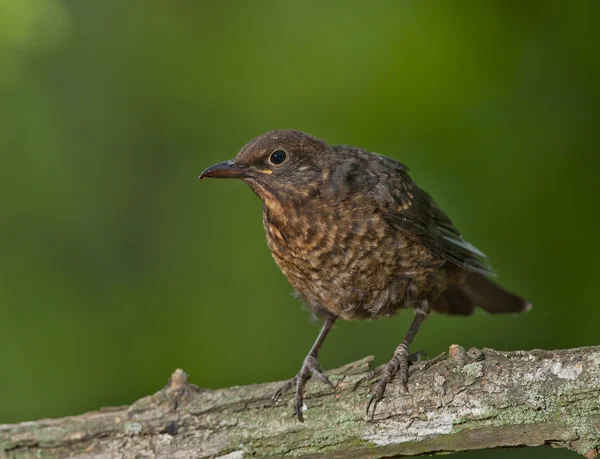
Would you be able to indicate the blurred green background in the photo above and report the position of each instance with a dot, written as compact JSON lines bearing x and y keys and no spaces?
{"x":117,"y":266}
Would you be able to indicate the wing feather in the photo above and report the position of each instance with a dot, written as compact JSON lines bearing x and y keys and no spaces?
{"x":411,"y":209}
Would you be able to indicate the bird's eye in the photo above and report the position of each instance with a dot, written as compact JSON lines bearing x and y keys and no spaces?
{"x":277,"y":157}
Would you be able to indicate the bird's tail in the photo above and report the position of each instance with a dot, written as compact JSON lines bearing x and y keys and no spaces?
{"x":478,"y":290}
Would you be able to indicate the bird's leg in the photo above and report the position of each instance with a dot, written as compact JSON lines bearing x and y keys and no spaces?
{"x":399,"y":362}
{"x":309,"y":368}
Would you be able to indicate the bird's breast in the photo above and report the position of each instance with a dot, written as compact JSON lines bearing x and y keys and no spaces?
{"x":345,"y":258}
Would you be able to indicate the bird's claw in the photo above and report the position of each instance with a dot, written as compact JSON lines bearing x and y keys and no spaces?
{"x":373,"y":400}
{"x":368,"y":377}
{"x":282,"y":389}
{"x":414,"y":357}
{"x":310,"y":367}
{"x":398,"y":364}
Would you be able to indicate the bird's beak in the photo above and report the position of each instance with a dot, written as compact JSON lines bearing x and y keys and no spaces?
{"x":226,"y":169}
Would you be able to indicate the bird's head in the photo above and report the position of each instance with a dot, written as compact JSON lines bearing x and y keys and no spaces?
{"x":282,"y":165}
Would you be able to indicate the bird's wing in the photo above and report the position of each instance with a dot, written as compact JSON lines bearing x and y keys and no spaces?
{"x":409,"y":208}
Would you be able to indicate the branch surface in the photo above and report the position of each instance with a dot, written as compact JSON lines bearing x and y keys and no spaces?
{"x":457,"y":401}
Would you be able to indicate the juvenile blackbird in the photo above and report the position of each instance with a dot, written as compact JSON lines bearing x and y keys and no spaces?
{"x":358,"y":239}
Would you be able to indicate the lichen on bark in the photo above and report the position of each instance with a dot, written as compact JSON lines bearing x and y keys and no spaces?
{"x":458,"y":401}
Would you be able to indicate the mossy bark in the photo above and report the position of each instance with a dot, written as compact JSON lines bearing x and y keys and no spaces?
{"x":458,"y":401}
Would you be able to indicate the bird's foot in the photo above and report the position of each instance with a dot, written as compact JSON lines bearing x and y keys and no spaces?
{"x":398,"y":364}
{"x":371,"y":375}
{"x":310,"y":367}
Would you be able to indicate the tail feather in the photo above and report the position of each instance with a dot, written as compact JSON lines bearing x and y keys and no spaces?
{"x":454,"y":301}
{"x":477,"y":290}
{"x":492,"y":297}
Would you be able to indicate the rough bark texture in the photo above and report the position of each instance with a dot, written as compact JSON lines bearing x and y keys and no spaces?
{"x":457,"y":401}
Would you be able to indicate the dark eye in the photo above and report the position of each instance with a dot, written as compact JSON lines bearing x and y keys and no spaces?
{"x":277,"y":157}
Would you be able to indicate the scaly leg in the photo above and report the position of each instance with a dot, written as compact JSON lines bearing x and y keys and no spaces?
{"x":399,"y":362}
{"x":309,"y":368}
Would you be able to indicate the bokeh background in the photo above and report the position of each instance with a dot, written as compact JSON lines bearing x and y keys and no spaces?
{"x":117,"y":266}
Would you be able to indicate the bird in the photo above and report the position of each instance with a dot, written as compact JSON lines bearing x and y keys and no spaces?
{"x":358,"y":239}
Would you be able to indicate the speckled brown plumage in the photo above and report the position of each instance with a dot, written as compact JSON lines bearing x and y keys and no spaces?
{"x":358,"y":239}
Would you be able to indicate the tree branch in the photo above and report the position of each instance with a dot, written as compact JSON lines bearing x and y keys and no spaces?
{"x":458,"y":401}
